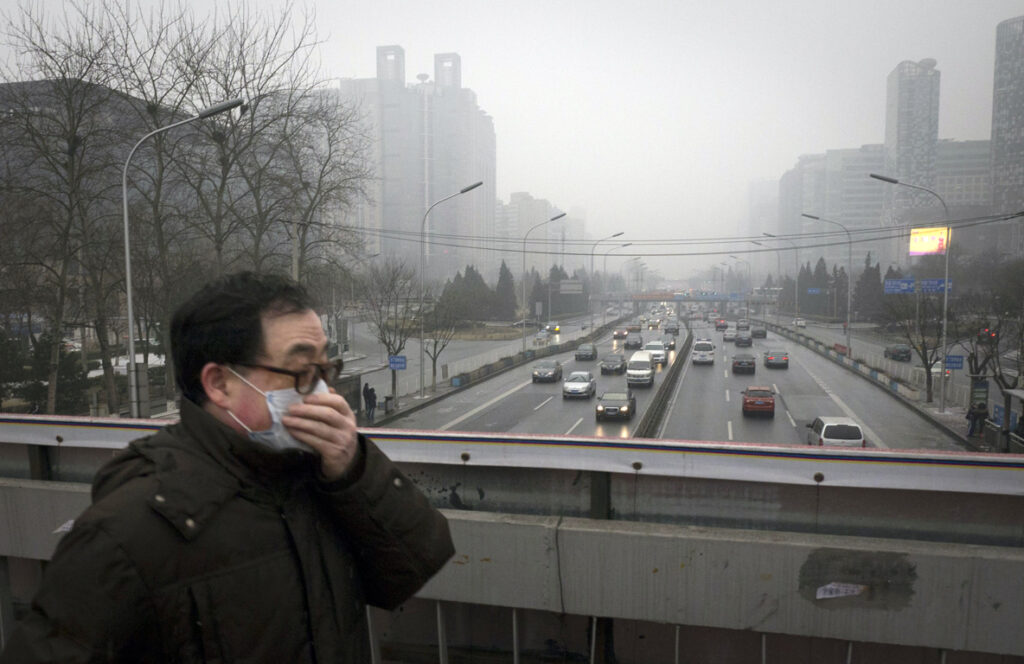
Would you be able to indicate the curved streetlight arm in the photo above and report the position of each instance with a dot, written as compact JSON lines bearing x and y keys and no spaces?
{"x":423,"y":276}
{"x":526,"y":235}
{"x":133,"y":387}
{"x":849,"y":272}
{"x":885,"y":178}
{"x":590,"y":300}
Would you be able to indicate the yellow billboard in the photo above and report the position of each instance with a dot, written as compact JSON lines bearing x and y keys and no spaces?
{"x":929,"y":241}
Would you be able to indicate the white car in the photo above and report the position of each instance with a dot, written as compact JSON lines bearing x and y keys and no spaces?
{"x":658,"y":351}
{"x":729,"y":335}
{"x":579,"y":384}
{"x":835,"y":432}
{"x":799,"y":322}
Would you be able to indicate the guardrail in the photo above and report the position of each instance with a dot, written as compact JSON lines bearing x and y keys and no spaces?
{"x":903,"y":379}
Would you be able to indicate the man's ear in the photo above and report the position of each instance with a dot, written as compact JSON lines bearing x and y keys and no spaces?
{"x":214,"y":379}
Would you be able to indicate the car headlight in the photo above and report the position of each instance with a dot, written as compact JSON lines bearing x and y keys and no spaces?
{"x":600,"y":409}
{"x":624,"y":409}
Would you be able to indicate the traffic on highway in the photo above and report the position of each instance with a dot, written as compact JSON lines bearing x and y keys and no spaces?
{"x":797,"y":397}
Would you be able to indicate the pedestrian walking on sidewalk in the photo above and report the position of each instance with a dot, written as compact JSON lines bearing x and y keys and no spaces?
{"x":366,"y":397}
{"x":971,"y":418}
{"x":371,"y":403}
{"x":980,"y":416}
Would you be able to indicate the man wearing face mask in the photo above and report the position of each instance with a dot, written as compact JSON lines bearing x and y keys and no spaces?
{"x":255,"y":529}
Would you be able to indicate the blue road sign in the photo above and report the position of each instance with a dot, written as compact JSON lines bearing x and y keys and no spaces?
{"x":954,"y":361}
{"x":814,"y":291}
{"x":899,"y":286}
{"x":396,"y":362}
{"x":934,"y":285}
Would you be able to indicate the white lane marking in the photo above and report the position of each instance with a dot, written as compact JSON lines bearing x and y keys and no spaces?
{"x":776,"y":388}
{"x":868,"y":433}
{"x":726,"y":372}
{"x":791,"y":420}
{"x":482,"y":406}
{"x":573,"y":427}
{"x":729,"y":423}
{"x":542,"y":403}
{"x":727,"y":396}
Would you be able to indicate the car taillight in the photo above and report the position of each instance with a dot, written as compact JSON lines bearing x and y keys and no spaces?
{"x":821,"y":441}
{"x":771,"y":358}
{"x":786,"y":359}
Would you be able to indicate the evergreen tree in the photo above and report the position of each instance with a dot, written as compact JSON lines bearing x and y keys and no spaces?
{"x":505,"y":293}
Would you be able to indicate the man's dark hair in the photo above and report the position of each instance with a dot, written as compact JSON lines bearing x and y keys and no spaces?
{"x":222,"y":323}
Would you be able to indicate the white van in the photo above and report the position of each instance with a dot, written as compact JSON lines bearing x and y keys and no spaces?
{"x":640,"y":369}
{"x":703,"y":352}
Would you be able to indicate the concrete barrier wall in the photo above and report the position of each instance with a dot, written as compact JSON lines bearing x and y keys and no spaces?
{"x":955,"y":597}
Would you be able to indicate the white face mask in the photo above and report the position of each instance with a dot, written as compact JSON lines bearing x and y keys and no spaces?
{"x":277,"y":437}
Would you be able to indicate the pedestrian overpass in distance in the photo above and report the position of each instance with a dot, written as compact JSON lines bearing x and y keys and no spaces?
{"x":638,"y":550}
{"x":692,"y":295}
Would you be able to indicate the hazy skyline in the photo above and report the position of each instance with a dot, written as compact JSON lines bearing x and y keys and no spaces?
{"x":655,"y":116}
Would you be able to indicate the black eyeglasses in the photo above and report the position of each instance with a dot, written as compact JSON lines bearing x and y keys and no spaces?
{"x":306,"y":378}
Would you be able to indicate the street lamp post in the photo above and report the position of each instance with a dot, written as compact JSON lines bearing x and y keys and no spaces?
{"x":849,"y":275}
{"x":778,"y":269}
{"x":750,"y":280}
{"x":604,"y":271}
{"x":526,"y":306}
{"x":592,"y":249}
{"x":945,"y":280}
{"x":133,"y":380}
{"x":423,"y":276}
{"x":796,"y":278}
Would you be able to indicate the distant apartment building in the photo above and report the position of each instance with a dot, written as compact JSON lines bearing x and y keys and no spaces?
{"x":963,"y":173}
{"x":911,"y":135}
{"x":762,"y":217}
{"x":1008,"y":130}
{"x":517,"y":217}
{"x":431,"y":139}
{"x":835,"y":186}
{"x":801,"y":189}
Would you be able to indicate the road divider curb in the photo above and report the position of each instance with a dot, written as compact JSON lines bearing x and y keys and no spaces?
{"x":650,"y":423}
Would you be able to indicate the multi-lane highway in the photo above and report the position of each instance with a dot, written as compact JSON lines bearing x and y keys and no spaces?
{"x":512,"y":403}
{"x":704,"y":405}
{"x":707,"y":402}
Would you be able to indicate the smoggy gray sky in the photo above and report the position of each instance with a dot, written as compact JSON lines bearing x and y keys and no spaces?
{"x":655,"y":115}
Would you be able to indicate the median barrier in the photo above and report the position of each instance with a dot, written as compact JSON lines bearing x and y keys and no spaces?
{"x":650,"y":422}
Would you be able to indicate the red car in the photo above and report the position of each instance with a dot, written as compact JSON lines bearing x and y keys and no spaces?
{"x":759,"y":400}
{"x":620,"y":333}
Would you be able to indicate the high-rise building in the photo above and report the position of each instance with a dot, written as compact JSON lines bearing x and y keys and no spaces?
{"x":543,"y":247}
{"x":855,"y":201}
{"x":911,"y":135}
{"x":431,"y":140}
{"x":963,"y":173}
{"x":762,"y":217}
{"x":1008,"y":129}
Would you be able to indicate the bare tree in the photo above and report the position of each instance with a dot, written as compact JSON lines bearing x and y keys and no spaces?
{"x":993,"y":330}
{"x":440,"y":322}
{"x":918,"y":318}
{"x":389,"y":290}
{"x":60,"y":132}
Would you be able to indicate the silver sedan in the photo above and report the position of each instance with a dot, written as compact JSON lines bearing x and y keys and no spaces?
{"x":579,"y":384}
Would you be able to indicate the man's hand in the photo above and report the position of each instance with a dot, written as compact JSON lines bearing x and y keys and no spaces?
{"x":327,"y":424}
